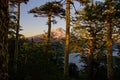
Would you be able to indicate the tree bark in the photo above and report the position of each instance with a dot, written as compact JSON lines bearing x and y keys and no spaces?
{"x":109,"y":52}
{"x":49,"y":29}
{"x":17,"y":36}
{"x":66,"y":54}
{"x":90,"y":71}
{"x":91,"y":45}
{"x":109,"y":43}
{"x":4,"y":25}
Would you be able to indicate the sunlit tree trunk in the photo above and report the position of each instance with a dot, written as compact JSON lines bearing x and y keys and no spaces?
{"x":49,"y":29}
{"x":91,"y":49}
{"x":17,"y":36}
{"x":109,"y":52}
{"x":66,"y":55}
{"x":109,"y":44}
{"x":4,"y":23}
{"x":90,"y":64}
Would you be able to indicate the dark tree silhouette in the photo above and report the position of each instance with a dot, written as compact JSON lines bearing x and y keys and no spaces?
{"x":50,"y":9}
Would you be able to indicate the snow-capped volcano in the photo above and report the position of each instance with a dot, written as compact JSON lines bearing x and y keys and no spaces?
{"x":56,"y":34}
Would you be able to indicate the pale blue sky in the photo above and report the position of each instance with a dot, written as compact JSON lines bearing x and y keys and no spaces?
{"x":33,"y":26}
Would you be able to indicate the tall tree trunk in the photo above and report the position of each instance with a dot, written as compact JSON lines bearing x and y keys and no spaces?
{"x":91,"y":44}
{"x":109,"y":52}
{"x":4,"y":25}
{"x":47,"y":44}
{"x":90,"y":72}
{"x":49,"y":29}
{"x":17,"y":36}
{"x":66,"y":55}
{"x":109,"y":44}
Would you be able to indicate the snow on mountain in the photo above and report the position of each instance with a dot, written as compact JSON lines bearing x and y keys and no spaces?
{"x":56,"y":34}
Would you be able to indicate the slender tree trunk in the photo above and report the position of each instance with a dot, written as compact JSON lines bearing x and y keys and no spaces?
{"x":109,"y":44}
{"x":91,"y":45}
{"x":49,"y":29}
{"x":109,"y":52}
{"x":47,"y":44}
{"x":17,"y":36}
{"x":91,"y":50}
{"x":4,"y":25}
{"x":90,"y":58}
{"x":90,"y":72}
{"x":66,"y":55}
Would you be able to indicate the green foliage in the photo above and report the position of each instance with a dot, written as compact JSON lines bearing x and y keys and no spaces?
{"x":21,"y":1}
{"x":4,"y":55}
{"x":89,"y":25}
{"x":116,"y":60}
{"x":37,"y":61}
{"x":73,"y":71}
{"x":51,"y":8}
{"x":83,"y":1}
{"x":35,"y":64}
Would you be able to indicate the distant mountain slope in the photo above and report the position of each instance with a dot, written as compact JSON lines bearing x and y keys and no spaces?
{"x":56,"y":34}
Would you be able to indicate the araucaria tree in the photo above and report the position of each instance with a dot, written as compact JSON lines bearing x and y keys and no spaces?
{"x":101,"y":23}
{"x":50,"y":9}
{"x":16,"y":4}
{"x":4,"y":21}
{"x":109,"y":42}
{"x":66,"y":55}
